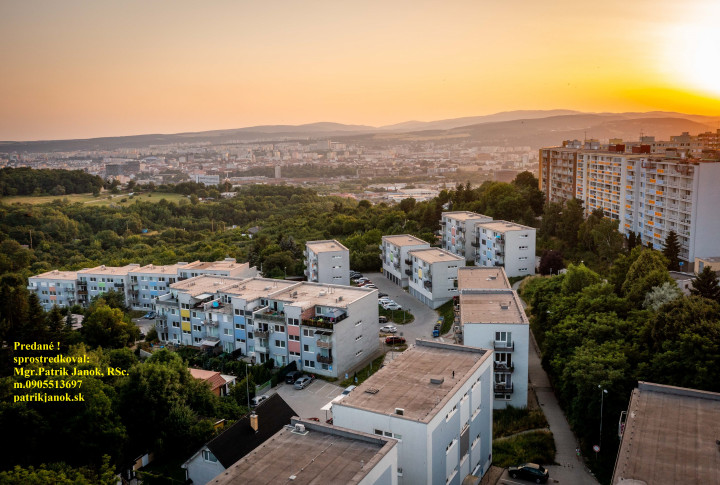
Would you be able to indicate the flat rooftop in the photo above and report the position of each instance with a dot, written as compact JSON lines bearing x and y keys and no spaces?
{"x":220,"y":265}
{"x":404,"y":382}
{"x":478,"y":277}
{"x":204,"y":284}
{"x":58,"y":275}
{"x":465,"y":215}
{"x":109,"y":270}
{"x":714,"y":259}
{"x":253,"y":288}
{"x":323,"y":454}
{"x":491,"y":307}
{"x":670,"y":437}
{"x":404,"y":240}
{"x":504,"y":226}
{"x":435,"y":255}
{"x":164,"y":269}
{"x":325,"y":246}
{"x":306,"y":295}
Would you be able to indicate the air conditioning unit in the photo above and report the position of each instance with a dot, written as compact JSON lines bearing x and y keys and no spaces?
{"x":299,"y":428}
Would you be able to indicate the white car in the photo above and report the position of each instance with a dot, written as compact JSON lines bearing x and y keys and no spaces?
{"x":389,"y":329}
{"x":392,"y":306}
{"x":384,"y":299}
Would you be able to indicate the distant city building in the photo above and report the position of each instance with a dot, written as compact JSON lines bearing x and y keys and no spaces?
{"x":327,"y":262}
{"x":648,"y":194}
{"x":435,"y":399}
{"x":490,"y":315}
{"x":397,"y":265}
{"x":506,"y":244}
{"x":278,"y":171}
{"x":207,"y":179}
{"x":712,"y":262}
{"x":668,"y":435}
{"x":433,"y":275}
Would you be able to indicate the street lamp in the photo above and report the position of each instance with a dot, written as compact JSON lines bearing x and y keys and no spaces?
{"x":602,"y":401}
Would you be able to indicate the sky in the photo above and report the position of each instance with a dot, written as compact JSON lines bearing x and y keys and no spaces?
{"x":80,"y":69}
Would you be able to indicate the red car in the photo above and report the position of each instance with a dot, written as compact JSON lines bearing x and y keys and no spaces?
{"x":394,"y":340}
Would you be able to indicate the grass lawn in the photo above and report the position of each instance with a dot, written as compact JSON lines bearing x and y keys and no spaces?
{"x":363,"y":373}
{"x":400,"y":317}
{"x":535,"y":447}
{"x":447,"y":311}
{"x":513,"y":420}
{"x":102,"y":200}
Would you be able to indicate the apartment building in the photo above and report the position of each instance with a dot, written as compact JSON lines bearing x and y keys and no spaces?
{"x":226,"y":267}
{"x":327,"y":262}
{"x":436,"y":400}
{"x":151,"y":281}
{"x":506,"y":244}
{"x":55,"y":288}
{"x":93,"y":282}
{"x":490,"y":314}
{"x":307,"y":452}
{"x":433,"y":275}
{"x":326,"y":329}
{"x":394,"y":254}
{"x":457,"y":229}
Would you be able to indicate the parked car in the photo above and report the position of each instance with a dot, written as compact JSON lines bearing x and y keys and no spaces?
{"x":381,"y":295}
{"x":384,"y":299}
{"x":371,"y":286}
{"x":355,"y":274}
{"x":392,"y":306}
{"x":255,"y":402}
{"x":292,"y":376}
{"x":348,"y":389}
{"x":303,"y":382}
{"x":365,"y":283}
{"x":360,"y":280}
{"x":394,"y":340}
{"x":150,"y":315}
{"x":529,"y":471}
{"x":389,"y":329}
{"x":382,"y":319}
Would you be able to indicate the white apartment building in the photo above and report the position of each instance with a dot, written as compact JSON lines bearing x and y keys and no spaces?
{"x":396,"y":263}
{"x":309,"y":452}
{"x":506,"y":244}
{"x":649,"y":194}
{"x":490,"y":314}
{"x":207,"y":179}
{"x":327,"y":329}
{"x":457,"y":229}
{"x":436,"y":400}
{"x":92,"y":282}
{"x":226,"y":267}
{"x":149,"y":282}
{"x":55,"y":288}
{"x":327,"y":262}
{"x":433,"y":275}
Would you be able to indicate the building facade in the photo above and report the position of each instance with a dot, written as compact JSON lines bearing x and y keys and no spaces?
{"x":55,"y":288}
{"x":506,"y":244}
{"x":433,"y":275}
{"x":435,"y":399}
{"x":327,"y":262}
{"x":457,"y":229}
{"x":397,"y":266}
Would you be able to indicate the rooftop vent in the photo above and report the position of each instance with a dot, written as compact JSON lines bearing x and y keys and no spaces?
{"x":322,"y":293}
{"x":504,"y":306}
{"x":340,"y":298}
{"x":399,"y":411}
{"x":299,"y":429}
{"x":372,"y":390}
{"x":267,"y":288}
{"x":437,"y":380}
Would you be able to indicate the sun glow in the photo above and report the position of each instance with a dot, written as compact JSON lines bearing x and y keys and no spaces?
{"x":695,"y":50}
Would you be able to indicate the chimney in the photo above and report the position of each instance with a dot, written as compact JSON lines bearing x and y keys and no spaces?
{"x":254,"y":421}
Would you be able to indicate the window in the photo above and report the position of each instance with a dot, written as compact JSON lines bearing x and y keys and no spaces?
{"x":306,"y":348}
{"x":280,"y":343}
{"x":208,"y":456}
{"x":358,"y":353}
{"x":294,"y":337}
{"x":279,"y":328}
{"x":175,"y":325}
{"x":239,"y":326}
{"x":310,"y":363}
{"x":522,"y":247}
{"x":226,"y":331}
{"x":194,"y":314}
{"x":294,"y":354}
{"x":238,"y":311}
{"x":293,"y":321}
{"x":522,"y":269}
{"x":308,"y":332}
{"x":359,"y":337}
{"x":196,"y":328}
{"x":378,"y":432}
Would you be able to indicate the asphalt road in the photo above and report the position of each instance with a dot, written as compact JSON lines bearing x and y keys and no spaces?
{"x":307,"y":403}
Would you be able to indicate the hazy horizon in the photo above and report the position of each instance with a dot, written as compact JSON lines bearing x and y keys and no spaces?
{"x":77,"y":70}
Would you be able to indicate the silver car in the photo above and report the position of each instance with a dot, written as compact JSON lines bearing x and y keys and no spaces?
{"x":303,"y":382}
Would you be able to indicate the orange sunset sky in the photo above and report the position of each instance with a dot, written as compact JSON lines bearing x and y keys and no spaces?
{"x":78,"y":69}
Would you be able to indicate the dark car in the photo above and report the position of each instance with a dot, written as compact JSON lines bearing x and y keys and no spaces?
{"x":380,"y":295}
{"x":292,"y":376}
{"x":529,"y":471}
{"x":394,"y":340}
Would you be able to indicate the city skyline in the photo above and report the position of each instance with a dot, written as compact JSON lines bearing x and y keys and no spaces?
{"x":74,"y":70}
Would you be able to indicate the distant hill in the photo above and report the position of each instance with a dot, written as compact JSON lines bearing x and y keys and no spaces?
{"x":534,"y":128}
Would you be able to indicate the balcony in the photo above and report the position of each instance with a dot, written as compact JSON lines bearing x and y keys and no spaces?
{"x":261,"y":334}
{"x":318,"y":323}
{"x":502,"y":345}
{"x":503,"y":367}
{"x":408,"y":272}
{"x":324,"y":344}
{"x":119,"y":285}
{"x":503,"y":388}
{"x":428,"y":285}
{"x":270,"y":317}
{"x":261,"y":349}
{"x":325,"y":359}
{"x":211,"y":323}
{"x":475,"y":244}
{"x":408,"y":262}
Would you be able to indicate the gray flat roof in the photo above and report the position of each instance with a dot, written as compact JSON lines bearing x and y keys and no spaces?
{"x":404,"y":240}
{"x":491,"y":307}
{"x":504,"y":226}
{"x":669,"y":437}
{"x":325,"y":246}
{"x":435,"y":255}
{"x":465,"y":215}
{"x":323,"y":454}
{"x":476,"y":277}
{"x":404,"y":382}
{"x":57,"y":275}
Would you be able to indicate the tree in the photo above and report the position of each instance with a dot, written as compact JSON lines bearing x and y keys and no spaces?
{"x":662,"y":294}
{"x":551,"y":262}
{"x":646,"y":272}
{"x":706,"y":285}
{"x":570,"y":222}
{"x":671,"y":250}
{"x":577,"y":278}
{"x":631,"y":241}
{"x":106,"y":327}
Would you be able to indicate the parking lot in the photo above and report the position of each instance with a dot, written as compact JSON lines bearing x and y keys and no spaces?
{"x":309,"y":401}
